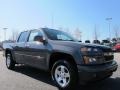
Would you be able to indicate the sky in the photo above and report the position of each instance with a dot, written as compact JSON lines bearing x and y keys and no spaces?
{"x":23,"y":15}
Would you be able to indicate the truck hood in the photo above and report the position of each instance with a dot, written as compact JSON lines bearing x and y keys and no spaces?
{"x":78,"y":44}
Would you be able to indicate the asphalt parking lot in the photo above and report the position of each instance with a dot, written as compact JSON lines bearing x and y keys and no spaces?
{"x":26,"y":78}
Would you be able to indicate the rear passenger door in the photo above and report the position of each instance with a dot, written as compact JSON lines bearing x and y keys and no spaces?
{"x":36,"y":52}
{"x":19,"y":47}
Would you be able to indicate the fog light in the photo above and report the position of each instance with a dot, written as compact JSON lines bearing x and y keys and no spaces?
{"x":89,"y":60}
{"x":92,"y":60}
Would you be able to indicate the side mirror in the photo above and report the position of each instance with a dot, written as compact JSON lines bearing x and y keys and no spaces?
{"x":39,"y":38}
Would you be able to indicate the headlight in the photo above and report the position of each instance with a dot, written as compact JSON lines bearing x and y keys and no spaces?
{"x":90,"y":50}
{"x":92,"y":55}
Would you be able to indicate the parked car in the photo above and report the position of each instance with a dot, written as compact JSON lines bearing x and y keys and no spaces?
{"x":116,"y":48}
{"x":87,"y":41}
{"x":80,"y":41}
{"x":96,"y":42}
{"x":106,"y":42}
{"x":66,"y":59}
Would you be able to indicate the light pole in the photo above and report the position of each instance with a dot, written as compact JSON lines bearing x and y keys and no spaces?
{"x":109,"y":26}
{"x":95,"y":33}
{"x":5,"y":29}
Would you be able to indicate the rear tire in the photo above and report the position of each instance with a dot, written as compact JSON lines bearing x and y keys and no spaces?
{"x":64,"y":75}
{"x":10,"y":64}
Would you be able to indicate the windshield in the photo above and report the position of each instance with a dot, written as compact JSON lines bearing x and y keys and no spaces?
{"x":96,"y":41}
{"x":106,"y":41}
{"x":58,"y":35}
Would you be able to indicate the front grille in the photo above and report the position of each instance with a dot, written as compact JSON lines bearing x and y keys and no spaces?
{"x":106,"y":49}
{"x":108,"y":57}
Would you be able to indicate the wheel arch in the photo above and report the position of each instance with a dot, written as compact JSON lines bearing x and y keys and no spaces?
{"x":60,"y":55}
{"x":10,"y":52}
{"x":7,"y":51}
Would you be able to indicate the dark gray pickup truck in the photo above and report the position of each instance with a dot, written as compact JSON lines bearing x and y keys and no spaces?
{"x":68,"y":61}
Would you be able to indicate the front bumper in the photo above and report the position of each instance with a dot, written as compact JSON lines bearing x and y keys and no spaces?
{"x":116,"y":49}
{"x":96,"y":72}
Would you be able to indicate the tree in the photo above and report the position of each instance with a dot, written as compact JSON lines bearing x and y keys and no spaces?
{"x":14,"y":36}
{"x":64,"y":29}
{"x":78,"y":34}
{"x":108,"y":39}
{"x":114,"y":40}
{"x":96,"y":33}
{"x":67,"y":30}
{"x":116,"y":32}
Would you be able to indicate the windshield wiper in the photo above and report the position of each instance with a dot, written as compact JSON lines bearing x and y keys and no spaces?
{"x":65,"y":40}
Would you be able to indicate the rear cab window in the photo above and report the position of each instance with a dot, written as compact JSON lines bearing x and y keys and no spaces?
{"x":23,"y":37}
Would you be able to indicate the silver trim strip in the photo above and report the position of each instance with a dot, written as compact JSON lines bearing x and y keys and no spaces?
{"x":38,"y":57}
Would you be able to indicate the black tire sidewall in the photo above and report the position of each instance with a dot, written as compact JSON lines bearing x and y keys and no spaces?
{"x":72,"y":71}
{"x":12,"y":64}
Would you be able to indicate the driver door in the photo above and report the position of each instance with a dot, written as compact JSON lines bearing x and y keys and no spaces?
{"x":36,"y":52}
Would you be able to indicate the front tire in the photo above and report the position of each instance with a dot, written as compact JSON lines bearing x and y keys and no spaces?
{"x":64,"y":75}
{"x":10,"y":64}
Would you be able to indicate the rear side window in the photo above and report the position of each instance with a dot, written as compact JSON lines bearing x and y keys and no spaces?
{"x":23,"y":37}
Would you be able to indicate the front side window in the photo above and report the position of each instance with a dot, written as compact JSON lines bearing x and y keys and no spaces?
{"x":33,"y":34}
